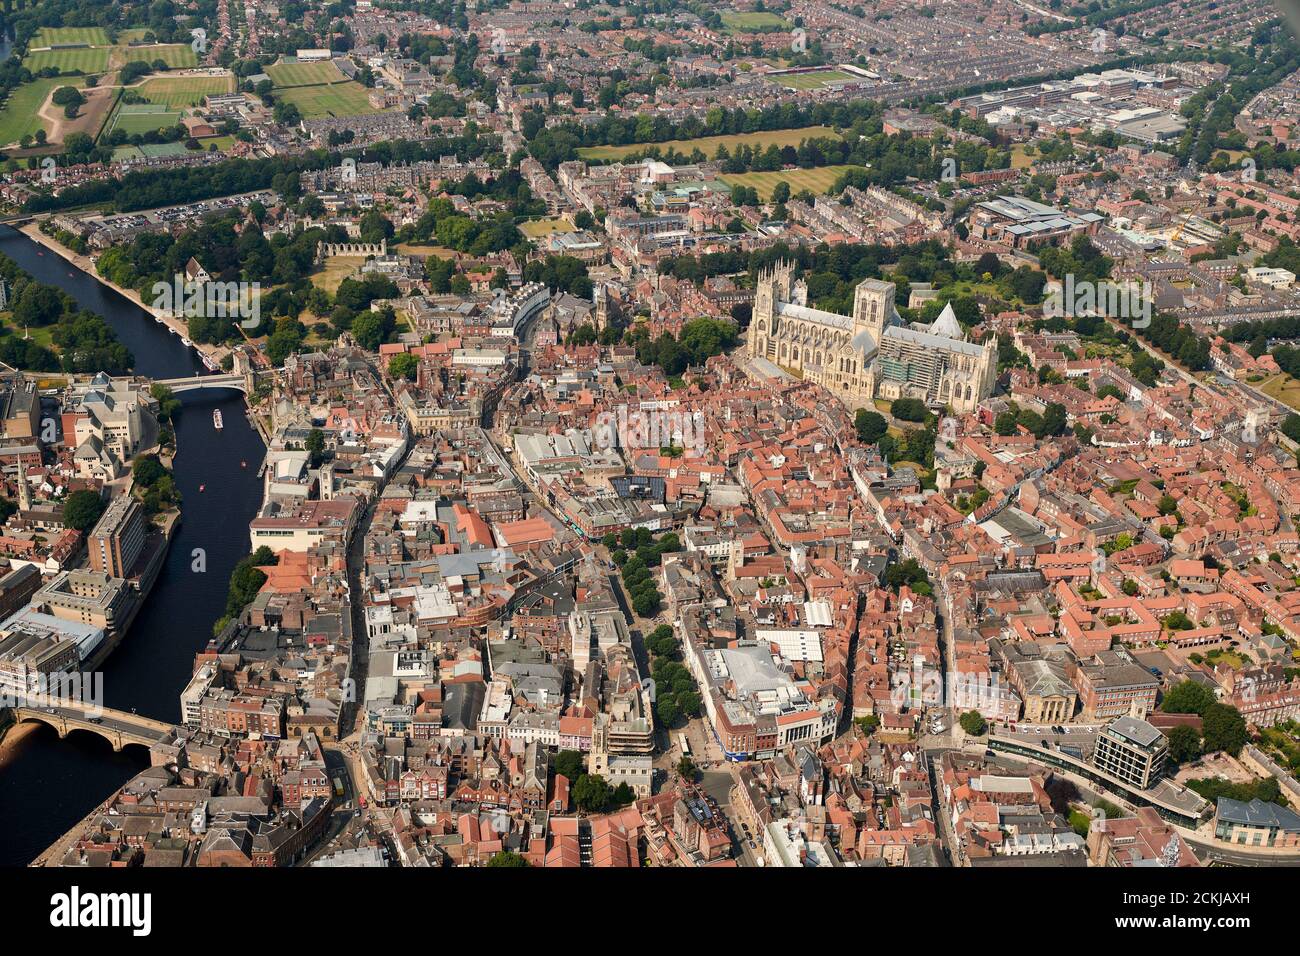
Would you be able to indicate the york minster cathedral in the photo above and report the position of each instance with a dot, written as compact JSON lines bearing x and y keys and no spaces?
{"x":873,"y":353}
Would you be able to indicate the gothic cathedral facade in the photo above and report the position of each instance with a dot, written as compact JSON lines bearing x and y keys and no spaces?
{"x":871,"y":354}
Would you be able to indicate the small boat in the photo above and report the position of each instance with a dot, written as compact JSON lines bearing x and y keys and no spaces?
{"x":201,"y":487}
{"x":243,"y":464}
{"x":216,"y":419}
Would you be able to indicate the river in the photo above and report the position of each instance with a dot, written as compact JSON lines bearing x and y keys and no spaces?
{"x":47,"y":784}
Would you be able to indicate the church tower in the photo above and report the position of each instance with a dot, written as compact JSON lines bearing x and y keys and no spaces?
{"x":601,"y":295}
{"x":873,"y":307}
{"x":783,"y":279}
{"x":762,"y":321}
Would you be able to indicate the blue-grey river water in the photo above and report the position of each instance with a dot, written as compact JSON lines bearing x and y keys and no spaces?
{"x":47,"y":784}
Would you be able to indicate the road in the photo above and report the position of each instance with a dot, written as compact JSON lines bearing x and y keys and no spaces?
{"x":705,"y":751}
{"x":947,"y":841}
{"x":102,"y":718}
{"x":1191,"y":379}
{"x":1218,"y":857}
{"x":1282,"y":407}
{"x":360,"y":640}
{"x":720,"y":785}
{"x":343,"y":755}
{"x":669,"y":753}
{"x":346,"y":821}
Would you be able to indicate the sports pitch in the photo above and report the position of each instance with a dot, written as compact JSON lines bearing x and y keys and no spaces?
{"x":177,"y":56}
{"x":738,"y":22}
{"x":100,"y":59}
{"x":179,"y":91}
{"x":709,"y":144}
{"x":331,"y":99}
{"x":813,"y":81}
{"x":81,"y":59}
{"x":304,"y":74}
{"x":54,"y":36}
{"x":132,"y":118}
{"x":814,"y":180}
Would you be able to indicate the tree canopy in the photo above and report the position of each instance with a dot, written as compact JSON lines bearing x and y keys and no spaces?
{"x":82,"y":509}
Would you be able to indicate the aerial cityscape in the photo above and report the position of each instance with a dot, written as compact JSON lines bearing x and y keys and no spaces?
{"x":765,"y":434}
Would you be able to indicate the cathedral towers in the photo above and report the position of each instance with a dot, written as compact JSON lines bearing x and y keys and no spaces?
{"x":871,"y":354}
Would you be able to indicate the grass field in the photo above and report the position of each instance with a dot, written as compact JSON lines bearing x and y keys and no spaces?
{"x":814,"y":180}
{"x":101,"y":58}
{"x":19,"y":113}
{"x":41,"y":335}
{"x":333,"y":99}
{"x":85,"y":60}
{"x":142,"y":117}
{"x":536,"y":228}
{"x":1284,"y":388}
{"x":149,"y":150}
{"x":813,"y":81}
{"x":335,"y":270}
{"x":709,"y":144}
{"x":52,"y":36}
{"x":178,"y":56}
{"x":178,"y":91}
{"x":413,"y":249}
{"x":304,"y":74}
{"x":743,"y":22}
